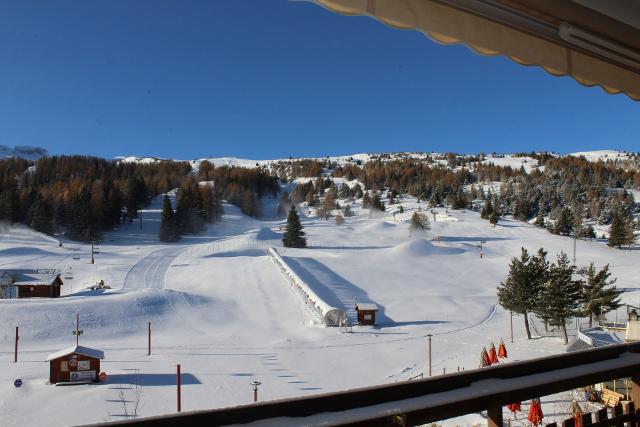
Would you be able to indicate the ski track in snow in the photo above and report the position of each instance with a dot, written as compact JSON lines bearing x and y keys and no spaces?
{"x":151,"y":270}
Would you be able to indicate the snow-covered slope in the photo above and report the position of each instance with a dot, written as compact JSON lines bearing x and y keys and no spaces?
{"x":24,"y":152}
{"x":220,"y":309}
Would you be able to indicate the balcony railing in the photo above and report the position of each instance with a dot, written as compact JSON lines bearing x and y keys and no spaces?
{"x":432,"y":399}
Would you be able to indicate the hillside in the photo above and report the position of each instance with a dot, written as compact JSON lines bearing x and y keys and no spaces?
{"x":222,"y":310}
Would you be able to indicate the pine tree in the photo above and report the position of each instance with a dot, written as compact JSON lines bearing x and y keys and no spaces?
{"x":41,"y":217}
{"x":621,"y":231}
{"x":169,"y":231}
{"x":515,"y":293}
{"x":598,"y":293}
{"x":487,"y":209}
{"x":294,"y":236}
{"x":564,"y":223}
{"x":539,"y":273}
{"x":494,"y":217}
{"x":561,"y":294}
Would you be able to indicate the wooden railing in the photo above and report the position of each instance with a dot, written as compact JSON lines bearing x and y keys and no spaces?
{"x":433,"y":399}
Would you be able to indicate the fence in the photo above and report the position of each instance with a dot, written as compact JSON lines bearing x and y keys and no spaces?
{"x":417,"y":402}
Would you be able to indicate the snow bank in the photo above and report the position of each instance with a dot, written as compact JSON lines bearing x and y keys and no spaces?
{"x":422,"y":247}
{"x":328,"y":315}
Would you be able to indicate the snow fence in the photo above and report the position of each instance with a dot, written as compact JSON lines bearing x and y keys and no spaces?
{"x":328,"y":315}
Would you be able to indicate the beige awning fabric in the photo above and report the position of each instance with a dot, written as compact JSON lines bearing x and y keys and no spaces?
{"x":562,"y":37}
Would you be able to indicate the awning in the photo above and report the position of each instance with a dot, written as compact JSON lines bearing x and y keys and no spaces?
{"x":593,"y":45}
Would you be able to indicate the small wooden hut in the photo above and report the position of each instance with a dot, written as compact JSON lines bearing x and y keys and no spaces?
{"x":366,"y":313}
{"x":75,"y":364}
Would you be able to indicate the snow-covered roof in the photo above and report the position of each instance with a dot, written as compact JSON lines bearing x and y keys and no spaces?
{"x":77,"y":349}
{"x":366,"y":306}
{"x":31,"y":277}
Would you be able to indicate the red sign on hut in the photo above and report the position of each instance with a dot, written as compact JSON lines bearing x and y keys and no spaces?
{"x":76,"y":364}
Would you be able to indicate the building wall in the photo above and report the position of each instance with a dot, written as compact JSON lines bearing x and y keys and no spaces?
{"x":58,"y":374}
{"x":366,"y":317}
{"x":40,"y":291}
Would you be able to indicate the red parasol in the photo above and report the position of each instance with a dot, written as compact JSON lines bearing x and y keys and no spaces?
{"x":502,"y":350}
{"x":535,"y":412}
{"x":577,"y":414}
{"x":493,"y":356}
{"x":514,"y":407}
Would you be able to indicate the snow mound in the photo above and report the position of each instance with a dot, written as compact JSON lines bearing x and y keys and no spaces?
{"x":422,"y":247}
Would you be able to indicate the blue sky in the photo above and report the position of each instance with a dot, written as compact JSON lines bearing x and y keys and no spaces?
{"x":273,"y":78}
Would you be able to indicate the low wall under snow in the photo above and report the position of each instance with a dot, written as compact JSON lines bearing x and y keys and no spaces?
{"x":328,"y":315}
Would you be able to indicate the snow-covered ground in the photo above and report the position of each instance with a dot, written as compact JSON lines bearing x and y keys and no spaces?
{"x":222,"y":310}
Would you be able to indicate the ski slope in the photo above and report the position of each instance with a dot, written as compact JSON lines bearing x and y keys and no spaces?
{"x":220,"y":309}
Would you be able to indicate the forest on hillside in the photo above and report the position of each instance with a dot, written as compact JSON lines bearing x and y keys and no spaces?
{"x":83,"y":196}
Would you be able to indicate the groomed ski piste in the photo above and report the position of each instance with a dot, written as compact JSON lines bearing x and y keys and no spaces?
{"x":221,"y":309}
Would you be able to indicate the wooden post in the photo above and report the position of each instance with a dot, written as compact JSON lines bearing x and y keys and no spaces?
{"x":179,"y":391}
{"x":149,"y":341}
{"x":429,"y":335}
{"x":15,"y":352}
{"x":494,"y":416}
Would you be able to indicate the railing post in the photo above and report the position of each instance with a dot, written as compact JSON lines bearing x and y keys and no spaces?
{"x":494,"y":416}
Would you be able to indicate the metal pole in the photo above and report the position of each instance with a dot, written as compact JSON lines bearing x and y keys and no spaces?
{"x":574,"y":250}
{"x":179,"y":392}
{"x":140,"y":212}
{"x":429,"y":335}
{"x":255,"y":385}
{"x":77,"y":329}
{"x":92,"y":259}
{"x":511,"y":325}
{"x":15,"y":353}
{"x":149,"y":341}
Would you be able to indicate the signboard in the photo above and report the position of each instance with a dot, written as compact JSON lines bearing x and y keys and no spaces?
{"x":84,"y":365}
{"x":367,"y":317}
{"x":73,"y":361}
{"x":82,"y":376}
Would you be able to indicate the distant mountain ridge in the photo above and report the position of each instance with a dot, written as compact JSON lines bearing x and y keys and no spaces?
{"x":23,"y":152}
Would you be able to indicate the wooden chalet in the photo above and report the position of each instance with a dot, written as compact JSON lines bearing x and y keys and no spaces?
{"x":30,"y":284}
{"x":366,"y":313}
{"x":75,"y":364}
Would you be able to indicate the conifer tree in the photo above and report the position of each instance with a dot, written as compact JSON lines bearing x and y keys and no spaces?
{"x":564,"y":223}
{"x":621,"y":230}
{"x":599,"y":295}
{"x":41,"y":216}
{"x":487,"y":209}
{"x":294,"y":236}
{"x":169,"y":231}
{"x":494,"y":217}
{"x":561,"y":294}
{"x":515,"y":293}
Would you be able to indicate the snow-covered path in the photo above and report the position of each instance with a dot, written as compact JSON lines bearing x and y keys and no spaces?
{"x":151,"y":270}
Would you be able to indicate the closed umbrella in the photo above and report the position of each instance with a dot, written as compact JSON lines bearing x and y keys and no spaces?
{"x":577,"y":414}
{"x":502,"y":350}
{"x":493,"y":355}
{"x":535,"y":412}
{"x":484,"y":358}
